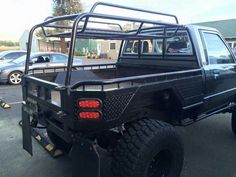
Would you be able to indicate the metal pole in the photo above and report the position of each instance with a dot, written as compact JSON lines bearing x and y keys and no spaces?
{"x":29,"y":47}
{"x":72,"y":48}
{"x":131,"y":8}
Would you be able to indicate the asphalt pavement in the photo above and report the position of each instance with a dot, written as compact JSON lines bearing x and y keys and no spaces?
{"x":209,"y":146}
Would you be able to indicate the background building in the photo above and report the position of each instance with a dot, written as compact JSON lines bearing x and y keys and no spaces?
{"x":89,"y":48}
{"x":24,"y":41}
{"x":108,"y":48}
{"x":226,"y":27}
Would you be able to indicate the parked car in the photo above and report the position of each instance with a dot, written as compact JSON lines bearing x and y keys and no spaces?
{"x":9,"y":55}
{"x":12,"y":71}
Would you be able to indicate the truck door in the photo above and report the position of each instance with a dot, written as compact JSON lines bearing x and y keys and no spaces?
{"x":220,"y":71}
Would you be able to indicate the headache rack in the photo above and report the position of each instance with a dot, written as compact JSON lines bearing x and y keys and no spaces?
{"x":83,"y":26}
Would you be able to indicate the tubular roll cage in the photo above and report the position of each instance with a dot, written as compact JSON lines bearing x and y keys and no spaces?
{"x":85,"y":32}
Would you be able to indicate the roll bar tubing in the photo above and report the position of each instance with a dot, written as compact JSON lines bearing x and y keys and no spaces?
{"x":84,"y":32}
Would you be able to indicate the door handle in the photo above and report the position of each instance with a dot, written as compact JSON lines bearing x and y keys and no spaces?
{"x":216,"y":72}
{"x":216,"y":76}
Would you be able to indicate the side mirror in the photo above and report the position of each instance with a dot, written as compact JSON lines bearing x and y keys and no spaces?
{"x":2,"y":58}
{"x":31,"y":63}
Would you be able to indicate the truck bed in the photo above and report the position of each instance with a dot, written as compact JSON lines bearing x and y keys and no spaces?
{"x":95,"y":78}
{"x":96,"y":74}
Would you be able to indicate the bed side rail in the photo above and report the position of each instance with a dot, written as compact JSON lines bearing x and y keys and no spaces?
{"x":74,"y":68}
{"x":133,"y":80}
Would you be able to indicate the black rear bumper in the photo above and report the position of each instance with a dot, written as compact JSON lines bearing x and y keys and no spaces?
{"x":88,"y":159}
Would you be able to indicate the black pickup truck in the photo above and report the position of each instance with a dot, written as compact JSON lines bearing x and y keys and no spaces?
{"x":117,"y":120}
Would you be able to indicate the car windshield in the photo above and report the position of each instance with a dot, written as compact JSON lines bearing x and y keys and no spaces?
{"x":2,"y":54}
{"x":20,"y":60}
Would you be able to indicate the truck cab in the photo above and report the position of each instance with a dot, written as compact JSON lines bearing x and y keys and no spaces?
{"x":218,"y":62}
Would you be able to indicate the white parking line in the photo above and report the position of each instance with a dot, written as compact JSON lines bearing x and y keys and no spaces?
{"x":14,"y":103}
{"x":6,"y":88}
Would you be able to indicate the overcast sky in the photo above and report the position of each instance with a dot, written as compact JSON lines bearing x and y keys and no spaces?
{"x":18,"y":15}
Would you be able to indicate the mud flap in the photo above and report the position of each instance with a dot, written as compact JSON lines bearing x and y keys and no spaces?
{"x":85,"y":160}
{"x":26,"y":131}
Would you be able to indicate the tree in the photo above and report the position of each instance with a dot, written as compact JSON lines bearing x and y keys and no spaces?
{"x":40,"y":34}
{"x":65,"y":7}
{"x":9,"y":43}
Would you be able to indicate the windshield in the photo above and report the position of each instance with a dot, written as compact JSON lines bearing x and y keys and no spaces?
{"x":20,"y":60}
{"x":3,"y":53}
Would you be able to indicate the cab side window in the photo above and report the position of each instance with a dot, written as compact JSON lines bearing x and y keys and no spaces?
{"x":216,"y":50}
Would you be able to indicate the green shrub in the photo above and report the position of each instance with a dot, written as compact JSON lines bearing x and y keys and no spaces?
{"x":79,"y":53}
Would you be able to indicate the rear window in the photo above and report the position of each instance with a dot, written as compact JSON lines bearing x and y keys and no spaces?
{"x":178,"y":43}
{"x":152,"y":46}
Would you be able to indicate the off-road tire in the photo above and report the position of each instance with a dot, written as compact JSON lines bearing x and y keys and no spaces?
{"x":58,"y":142}
{"x":145,"y":144}
{"x":233,"y":122}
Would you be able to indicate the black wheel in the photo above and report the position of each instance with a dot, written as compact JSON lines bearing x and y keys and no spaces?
{"x":149,"y":148}
{"x":14,"y":77}
{"x":58,"y":142}
{"x":233,"y":122}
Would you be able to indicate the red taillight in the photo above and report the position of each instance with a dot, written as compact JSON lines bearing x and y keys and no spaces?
{"x":89,"y":115}
{"x":89,"y":104}
{"x":89,"y":109}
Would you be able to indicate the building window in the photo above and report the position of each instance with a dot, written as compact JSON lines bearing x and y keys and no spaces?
{"x":112,"y":46}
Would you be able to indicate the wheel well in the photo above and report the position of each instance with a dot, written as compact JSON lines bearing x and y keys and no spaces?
{"x":142,"y":143}
{"x":166,"y":106}
{"x":16,"y":71}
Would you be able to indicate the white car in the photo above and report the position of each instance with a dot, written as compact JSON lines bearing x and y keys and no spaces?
{"x":12,"y":71}
{"x":10,"y":55}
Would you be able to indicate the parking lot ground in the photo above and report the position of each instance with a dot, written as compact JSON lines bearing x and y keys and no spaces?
{"x":209,"y":147}
{"x":14,"y":161}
